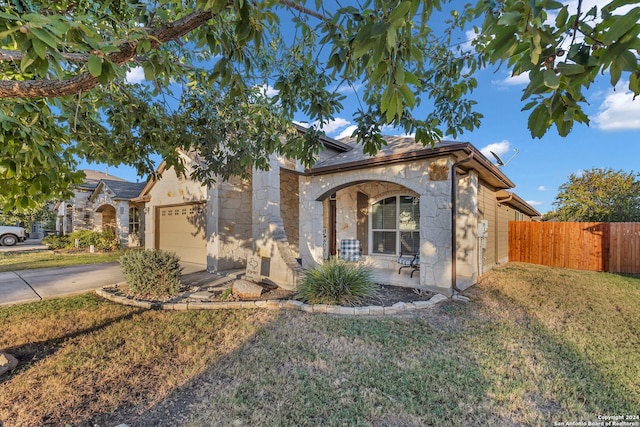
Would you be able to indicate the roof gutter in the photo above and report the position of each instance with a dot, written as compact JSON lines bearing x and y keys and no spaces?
{"x":454,"y":211}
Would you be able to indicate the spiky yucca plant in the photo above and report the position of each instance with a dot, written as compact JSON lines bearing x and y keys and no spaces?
{"x":337,"y":282}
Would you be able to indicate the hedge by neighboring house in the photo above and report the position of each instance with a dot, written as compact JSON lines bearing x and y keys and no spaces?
{"x":103,"y":202}
{"x":399,"y":201}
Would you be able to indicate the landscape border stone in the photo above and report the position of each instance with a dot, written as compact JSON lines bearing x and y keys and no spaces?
{"x":374,"y":310}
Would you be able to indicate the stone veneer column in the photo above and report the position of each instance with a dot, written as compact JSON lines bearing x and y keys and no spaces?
{"x":269,"y":238}
{"x":212,"y":232}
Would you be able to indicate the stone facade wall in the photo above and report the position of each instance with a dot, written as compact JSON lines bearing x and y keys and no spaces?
{"x":435,"y":212}
{"x":234,"y":223}
{"x":289,"y":206}
{"x":86,"y":215}
{"x":271,"y":244}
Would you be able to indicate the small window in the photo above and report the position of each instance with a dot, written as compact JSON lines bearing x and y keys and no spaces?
{"x":134,"y":220}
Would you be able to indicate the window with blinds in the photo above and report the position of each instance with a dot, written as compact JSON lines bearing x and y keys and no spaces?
{"x":395,"y":224}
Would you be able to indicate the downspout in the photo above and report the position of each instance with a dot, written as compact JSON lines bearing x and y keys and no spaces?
{"x":454,"y":229}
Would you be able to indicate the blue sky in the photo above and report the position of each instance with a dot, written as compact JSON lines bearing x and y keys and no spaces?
{"x":612,"y":140}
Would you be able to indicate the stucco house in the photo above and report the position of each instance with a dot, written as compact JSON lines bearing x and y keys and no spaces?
{"x":402,"y":200}
{"x":103,"y":202}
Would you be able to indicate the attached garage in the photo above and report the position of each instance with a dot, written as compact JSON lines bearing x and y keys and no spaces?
{"x":182,"y":229}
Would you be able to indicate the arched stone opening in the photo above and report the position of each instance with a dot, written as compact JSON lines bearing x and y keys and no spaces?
{"x":107,"y":217}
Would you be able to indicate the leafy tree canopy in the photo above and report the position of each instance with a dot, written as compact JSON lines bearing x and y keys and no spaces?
{"x":64,"y":95}
{"x":600,"y":195}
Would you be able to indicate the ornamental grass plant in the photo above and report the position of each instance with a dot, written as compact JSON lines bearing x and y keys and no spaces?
{"x":337,"y":282}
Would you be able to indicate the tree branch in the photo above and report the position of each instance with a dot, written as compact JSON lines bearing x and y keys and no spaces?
{"x":85,"y":82}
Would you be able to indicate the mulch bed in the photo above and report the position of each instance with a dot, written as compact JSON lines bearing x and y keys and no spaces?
{"x":386,"y":295}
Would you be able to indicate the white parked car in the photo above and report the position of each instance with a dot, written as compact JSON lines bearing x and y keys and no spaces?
{"x":9,"y":236}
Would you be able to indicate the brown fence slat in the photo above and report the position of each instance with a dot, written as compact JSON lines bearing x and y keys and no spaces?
{"x":596,"y":246}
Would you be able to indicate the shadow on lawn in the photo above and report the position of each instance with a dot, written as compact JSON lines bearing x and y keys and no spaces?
{"x":570,"y":383}
{"x":30,"y":353}
{"x":302,"y":369}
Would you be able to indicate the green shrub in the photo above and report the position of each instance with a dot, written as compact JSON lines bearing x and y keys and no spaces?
{"x":85,"y":238}
{"x":337,"y":282}
{"x":53,"y":241}
{"x":151,"y":273}
{"x":108,"y":241}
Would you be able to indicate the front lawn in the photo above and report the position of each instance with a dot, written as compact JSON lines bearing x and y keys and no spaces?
{"x":535,"y":346}
{"x":13,"y":261}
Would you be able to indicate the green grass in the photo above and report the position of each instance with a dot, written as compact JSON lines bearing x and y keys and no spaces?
{"x":28,"y":260}
{"x":535,"y":346}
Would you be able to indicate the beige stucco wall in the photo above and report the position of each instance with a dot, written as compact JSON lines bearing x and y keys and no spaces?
{"x":171,"y":190}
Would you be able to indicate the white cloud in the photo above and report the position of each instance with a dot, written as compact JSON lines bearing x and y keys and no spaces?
{"x":269,"y":91}
{"x":346,"y":133}
{"x":535,"y":202}
{"x":499,"y":148}
{"x":618,"y":111}
{"x":135,"y":75}
{"x":335,"y":125}
{"x":542,"y":188}
{"x":348,"y":89}
{"x":519,"y":80}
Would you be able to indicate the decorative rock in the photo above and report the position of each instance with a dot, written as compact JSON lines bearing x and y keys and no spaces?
{"x":376,"y":310}
{"x":348,"y":310}
{"x":422,"y":304}
{"x":200,"y":295}
{"x":362,"y":311}
{"x":7,"y":363}
{"x":460,"y":298}
{"x":437,"y":298}
{"x":246,"y":289}
{"x":273,"y":304}
{"x":400,"y":306}
{"x":320,"y":308}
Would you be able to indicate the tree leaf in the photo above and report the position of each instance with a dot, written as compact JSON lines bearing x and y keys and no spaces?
{"x":95,"y":65}
{"x":40,"y":48}
{"x":551,"y":79}
{"x":567,"y":69}
{"x":538,"y":122}
{"x":621,"y":25}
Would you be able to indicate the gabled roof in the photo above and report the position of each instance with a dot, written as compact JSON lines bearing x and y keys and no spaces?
{"x":93,"y":178}
{"x":122,"y":190}
{"x":402,"y":149}
{"x":327,"y":141}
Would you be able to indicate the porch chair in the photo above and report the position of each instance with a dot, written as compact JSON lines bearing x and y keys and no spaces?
{"x":350,"y":249}
{"x":408,"y":260}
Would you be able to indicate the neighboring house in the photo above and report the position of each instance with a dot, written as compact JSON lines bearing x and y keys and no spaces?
{"x":289,"y":218}
{"x":104,"y":202}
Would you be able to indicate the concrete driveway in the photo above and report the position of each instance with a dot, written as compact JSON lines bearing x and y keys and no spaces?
{"x":34,"y":285}
{"x":26,"y":246}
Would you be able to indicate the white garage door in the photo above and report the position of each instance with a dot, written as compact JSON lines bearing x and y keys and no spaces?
{"x":182,"y":229}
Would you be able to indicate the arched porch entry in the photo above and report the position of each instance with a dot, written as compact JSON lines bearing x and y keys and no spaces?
{"x":388,"y":209}
{"x":106,"y":217}
{"x":383,"y":216}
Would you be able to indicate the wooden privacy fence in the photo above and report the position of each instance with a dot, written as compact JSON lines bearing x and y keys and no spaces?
{"x":596,"y":246}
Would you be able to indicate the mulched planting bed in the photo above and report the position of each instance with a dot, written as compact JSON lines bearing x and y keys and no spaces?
{"x":386,"y":296}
